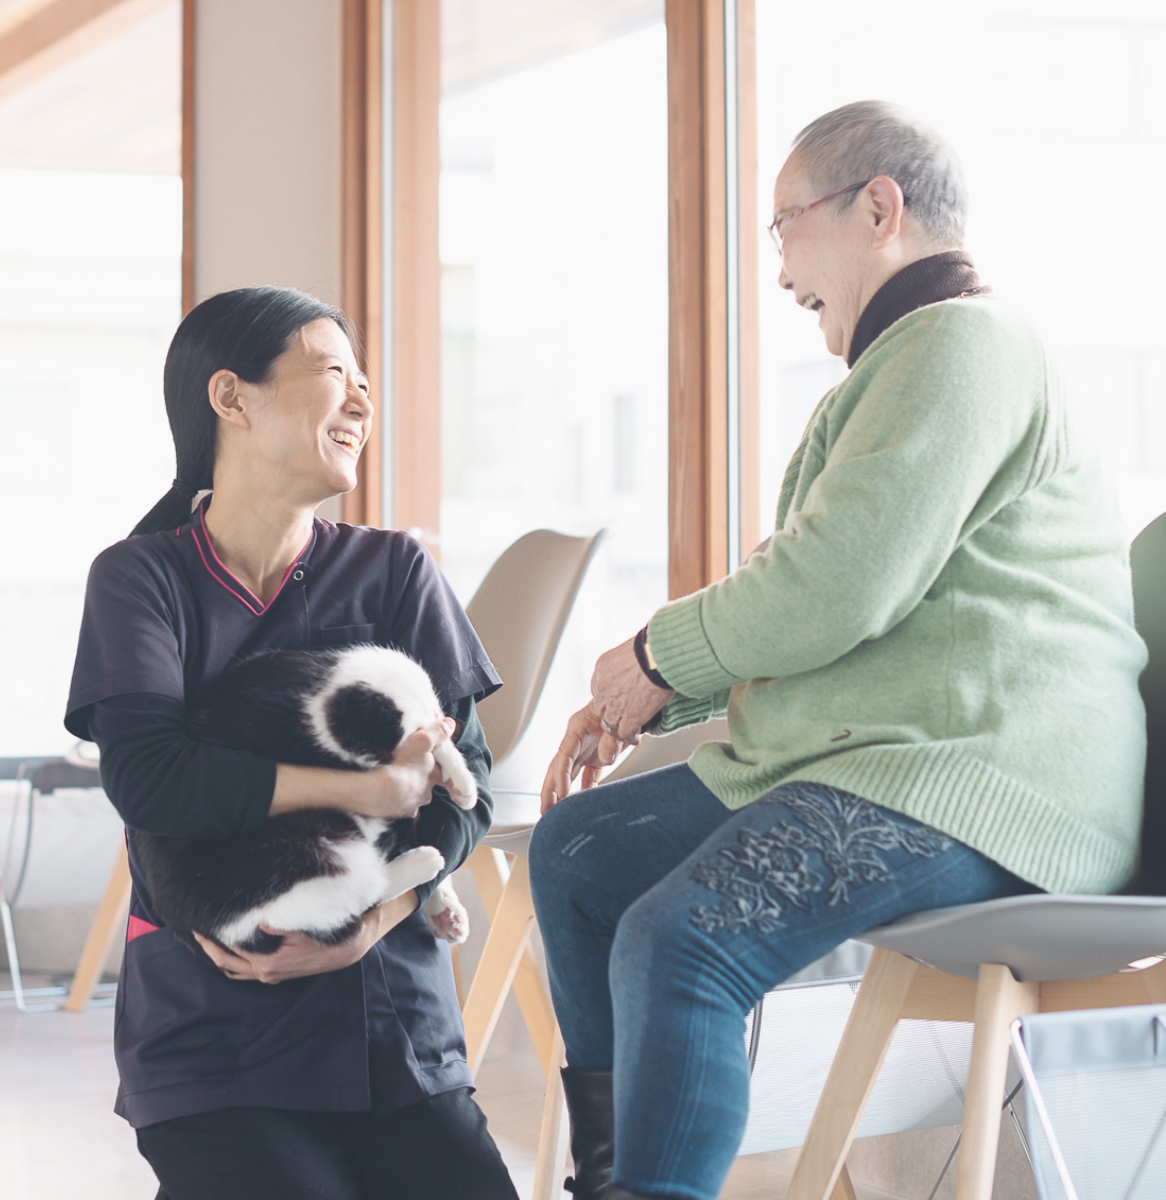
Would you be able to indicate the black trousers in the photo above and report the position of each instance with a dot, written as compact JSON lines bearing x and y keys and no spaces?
{"x":439,"y":1149}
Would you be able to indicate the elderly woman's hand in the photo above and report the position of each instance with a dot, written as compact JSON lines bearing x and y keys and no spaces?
{"x":585,"y":747}
{"x":624,"y":698}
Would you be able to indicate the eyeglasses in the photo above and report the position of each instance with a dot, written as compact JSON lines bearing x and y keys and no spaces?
{"x":779,"y":219}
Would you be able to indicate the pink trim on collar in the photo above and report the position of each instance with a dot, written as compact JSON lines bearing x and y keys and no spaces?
{"x":244,"y":594}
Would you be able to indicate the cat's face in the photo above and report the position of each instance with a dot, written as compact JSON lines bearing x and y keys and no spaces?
{"x":310,"y":420}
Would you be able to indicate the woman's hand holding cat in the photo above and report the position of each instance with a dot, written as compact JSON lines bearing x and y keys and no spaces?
{"x":399,"y":789}
{"x":406,"y":785}
{"x":301,"y":955}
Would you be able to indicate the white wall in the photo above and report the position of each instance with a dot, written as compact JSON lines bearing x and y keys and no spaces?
{"x":267,"y":139}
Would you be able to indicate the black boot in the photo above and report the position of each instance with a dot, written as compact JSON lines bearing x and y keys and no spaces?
{"x":589,"y":1104}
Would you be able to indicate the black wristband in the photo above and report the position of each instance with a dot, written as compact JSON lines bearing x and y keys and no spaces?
{"x":642,"y":658}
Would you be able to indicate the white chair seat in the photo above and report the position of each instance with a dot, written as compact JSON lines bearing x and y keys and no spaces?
{"x":512,"y":811}
{"x":1038,"y":937}
{"x":511,"y":841}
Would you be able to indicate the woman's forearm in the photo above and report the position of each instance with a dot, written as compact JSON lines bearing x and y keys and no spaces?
{"x":379,"y":792}
{"x":316,"y":787}
{"x":162,"y":781}
{"x":399,"y":789}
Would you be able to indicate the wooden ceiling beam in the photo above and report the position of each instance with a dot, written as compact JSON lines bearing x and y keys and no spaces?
{"x":59,"y":31}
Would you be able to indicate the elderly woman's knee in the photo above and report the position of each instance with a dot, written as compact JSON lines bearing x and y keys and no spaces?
{"x":653,"y":931}
{"x":545,"y":854}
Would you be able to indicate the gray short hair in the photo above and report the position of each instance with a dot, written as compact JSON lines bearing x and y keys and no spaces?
{"x":858,"y":141}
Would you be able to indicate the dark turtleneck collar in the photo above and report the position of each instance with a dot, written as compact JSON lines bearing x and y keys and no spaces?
{"x":946,"y":276}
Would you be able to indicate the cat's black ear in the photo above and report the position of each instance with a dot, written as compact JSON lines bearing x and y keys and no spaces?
{"x":365,"y":723}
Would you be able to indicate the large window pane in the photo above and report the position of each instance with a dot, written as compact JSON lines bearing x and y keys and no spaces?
{"x":555,"y":306}
{"x":90,"y":257}
{"x":1058,"y":112}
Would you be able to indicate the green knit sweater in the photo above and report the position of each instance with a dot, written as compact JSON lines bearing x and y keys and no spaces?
{"x":942,"y":621}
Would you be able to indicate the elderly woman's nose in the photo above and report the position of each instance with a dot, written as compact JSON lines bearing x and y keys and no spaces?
{"x":784,"y":280}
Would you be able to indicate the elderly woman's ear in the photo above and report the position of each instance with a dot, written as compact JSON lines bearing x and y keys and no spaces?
{"x":885,"y":204}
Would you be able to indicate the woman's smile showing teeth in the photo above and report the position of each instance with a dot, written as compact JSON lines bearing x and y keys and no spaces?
{"x":811,"y":302}
{"x":344,"y":438}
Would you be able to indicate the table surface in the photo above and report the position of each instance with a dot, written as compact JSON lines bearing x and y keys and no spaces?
{"x":10,"y":767}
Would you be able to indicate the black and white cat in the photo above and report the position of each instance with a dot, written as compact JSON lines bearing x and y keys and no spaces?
{"x":316,"y":870}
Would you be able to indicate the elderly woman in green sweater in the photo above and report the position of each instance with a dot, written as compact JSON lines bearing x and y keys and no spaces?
{"x":930,"y":676}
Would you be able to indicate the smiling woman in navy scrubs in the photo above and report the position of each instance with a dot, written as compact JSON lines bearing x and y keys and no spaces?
{"x":318,"y":1071}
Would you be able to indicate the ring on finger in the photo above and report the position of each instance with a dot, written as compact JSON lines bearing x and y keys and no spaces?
{"x":608,"y":729}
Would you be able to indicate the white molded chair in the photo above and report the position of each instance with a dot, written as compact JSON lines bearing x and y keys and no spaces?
{"x":519,"y":611}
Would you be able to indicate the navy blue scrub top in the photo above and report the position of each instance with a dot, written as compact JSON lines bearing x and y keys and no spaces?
{"x":164,"y":616}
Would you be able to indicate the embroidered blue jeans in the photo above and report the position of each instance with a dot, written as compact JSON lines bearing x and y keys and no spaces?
{"x":666,"y":916}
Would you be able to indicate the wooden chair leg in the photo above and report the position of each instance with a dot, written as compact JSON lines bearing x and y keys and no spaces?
{"x":843,"y":1189}
{"x":530,"y":990}
{"x":534,"y":1002}
{"x":822,"y":1160}
{"x":485,"y":864}
{"x":1000,"y":999}
{"x":110,"y":914}
{"x":1154,"y":981}
{"x":509,"y":933}
{"x":555,"y":1132}
{"x":1118,"y":990}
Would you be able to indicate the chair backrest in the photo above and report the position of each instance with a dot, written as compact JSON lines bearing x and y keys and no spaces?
{"x":519,"y":612}
{"x":1148,"y":563}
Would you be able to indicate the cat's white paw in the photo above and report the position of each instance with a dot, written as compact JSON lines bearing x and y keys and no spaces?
{"x":448,"y":920}
{"x":457,"y":778}
{"x":411,"y":868}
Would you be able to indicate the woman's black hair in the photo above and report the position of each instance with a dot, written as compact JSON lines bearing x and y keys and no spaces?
{"x":243,"y":331}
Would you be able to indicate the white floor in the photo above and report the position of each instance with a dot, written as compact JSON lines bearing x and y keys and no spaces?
{"x":59,"y":1139}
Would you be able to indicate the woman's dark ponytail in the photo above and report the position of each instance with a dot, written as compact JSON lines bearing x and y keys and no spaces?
{"x":243,"y":331}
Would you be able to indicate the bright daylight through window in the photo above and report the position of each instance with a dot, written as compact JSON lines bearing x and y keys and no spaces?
{"x":90,"y":258}
{"x":554,"y":251}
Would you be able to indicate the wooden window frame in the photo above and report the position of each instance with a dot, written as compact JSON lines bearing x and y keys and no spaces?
{"x":361,"y":227}
{"x":408,"y":326}
{"x":189,"y":16}
{"x":699,"y":471}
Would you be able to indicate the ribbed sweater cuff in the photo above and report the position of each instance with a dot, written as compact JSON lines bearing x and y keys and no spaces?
{"x":682,"y":711}
{"x":682,"y":651}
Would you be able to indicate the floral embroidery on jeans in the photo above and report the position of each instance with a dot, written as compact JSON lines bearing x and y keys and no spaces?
{"x":755,"y":877}
{"x":764,"y":872}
